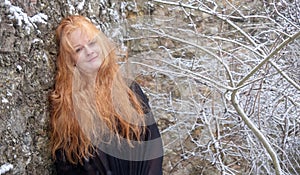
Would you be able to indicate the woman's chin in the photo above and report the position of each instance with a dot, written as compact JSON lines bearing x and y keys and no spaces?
{"x":90,"y":67}
{"x":94,"y":68}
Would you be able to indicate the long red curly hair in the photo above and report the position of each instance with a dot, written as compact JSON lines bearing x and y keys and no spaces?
{"x":115,"y":102}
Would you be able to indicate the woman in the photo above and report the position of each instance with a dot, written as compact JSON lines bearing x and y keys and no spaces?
{"x":100,"y":122}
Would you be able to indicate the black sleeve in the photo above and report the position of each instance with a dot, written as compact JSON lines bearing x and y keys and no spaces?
{"x":91,"y":166}
{"x":63,"y":167}
{"x":154,"y":166}
{"x":143,"y":99}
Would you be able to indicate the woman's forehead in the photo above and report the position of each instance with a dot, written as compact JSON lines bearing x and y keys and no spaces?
{"x":78,"y":36}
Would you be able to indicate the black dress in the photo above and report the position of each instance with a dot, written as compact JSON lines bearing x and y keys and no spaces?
{"x":103,"y":163}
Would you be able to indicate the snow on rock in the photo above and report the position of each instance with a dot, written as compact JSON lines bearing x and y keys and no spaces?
{"x":4,"y":100}
{"x":80,"y":5}
{"x":9,"y":94}
{"x":22,"y":18}
{"x":5,"y":168}
{"x":19,"y":67}
{"x":40,"y":18}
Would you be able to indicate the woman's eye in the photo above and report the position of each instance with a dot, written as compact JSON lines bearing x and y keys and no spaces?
{"x":78,"y":50}
{"x":92,"y":42}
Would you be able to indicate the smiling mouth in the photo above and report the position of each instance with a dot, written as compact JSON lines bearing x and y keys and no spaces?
{"x":91,"y":60}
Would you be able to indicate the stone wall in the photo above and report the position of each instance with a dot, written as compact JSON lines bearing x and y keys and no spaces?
{"x":27,"y":67}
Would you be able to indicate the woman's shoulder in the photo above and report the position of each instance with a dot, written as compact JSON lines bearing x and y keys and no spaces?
{"x":142,"y":97}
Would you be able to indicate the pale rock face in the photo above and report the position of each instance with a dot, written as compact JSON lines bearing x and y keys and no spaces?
{"x":27,"y":69}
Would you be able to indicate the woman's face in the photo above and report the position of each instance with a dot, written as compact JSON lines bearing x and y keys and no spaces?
{"x":87,"y":52}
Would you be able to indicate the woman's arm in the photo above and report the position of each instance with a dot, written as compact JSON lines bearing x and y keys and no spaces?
{"x":64,"y":167}
{"x":154,"y":166}
{"x":91,"y":166}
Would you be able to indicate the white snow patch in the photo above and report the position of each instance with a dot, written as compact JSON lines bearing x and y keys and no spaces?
{"x":80,"y":5}
{"x":16,"y":13}
{"x":40,"y":18}
{"x":4,"y":100}
{"x":19,"y":67}
{"x":22,"y":18}
{"x":72,"y":9}
{"x":5,"y":168}
{"x":37,"y":40}
{"x":6,"y":2}
{"x":46,"y":58}
{"x":9,"y":94}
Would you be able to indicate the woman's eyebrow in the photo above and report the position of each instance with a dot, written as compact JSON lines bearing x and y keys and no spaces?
{"x":77,"y":45}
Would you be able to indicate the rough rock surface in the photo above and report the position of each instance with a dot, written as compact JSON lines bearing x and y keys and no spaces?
{"x":27,"y":66}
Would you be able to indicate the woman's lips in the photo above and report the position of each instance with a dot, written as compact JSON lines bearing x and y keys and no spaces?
{"x":93,"y":59}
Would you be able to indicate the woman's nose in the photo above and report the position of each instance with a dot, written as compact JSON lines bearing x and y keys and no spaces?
{"x":88,"y":50}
